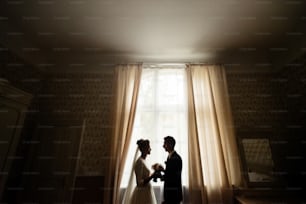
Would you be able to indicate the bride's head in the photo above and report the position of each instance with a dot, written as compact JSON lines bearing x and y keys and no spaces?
{"x":144,"y":147}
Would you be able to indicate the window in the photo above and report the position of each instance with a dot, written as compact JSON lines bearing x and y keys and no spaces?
{"x":161,"y":111}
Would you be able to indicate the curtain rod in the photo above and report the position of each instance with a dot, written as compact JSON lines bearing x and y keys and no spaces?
{"x":180,"y":63}
{"x":163,"y":63}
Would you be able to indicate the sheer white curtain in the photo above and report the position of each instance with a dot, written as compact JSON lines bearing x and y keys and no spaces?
{"x":208,"y":146}
{"x":161,"y":111}
{"x":127,"y":80}
{"x":213,"y":155}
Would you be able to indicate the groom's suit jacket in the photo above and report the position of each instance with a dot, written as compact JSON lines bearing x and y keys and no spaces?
{"x":172,"y":179}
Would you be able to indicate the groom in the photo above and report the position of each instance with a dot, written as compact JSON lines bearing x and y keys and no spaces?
{"x":173,"y":171}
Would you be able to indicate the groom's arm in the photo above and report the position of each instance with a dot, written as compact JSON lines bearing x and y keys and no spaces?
{"x":162,"y":168}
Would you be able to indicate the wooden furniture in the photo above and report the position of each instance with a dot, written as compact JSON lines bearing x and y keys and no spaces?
{"x":268,"y":196}
{"x":13,"y":106}
{"x":88,"y":189}
{"x":265,"y":200}
{"x":55,"y":160}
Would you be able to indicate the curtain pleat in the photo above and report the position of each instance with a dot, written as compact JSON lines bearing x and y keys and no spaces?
{"x":125,"y":100}
{"x":213,"y":157}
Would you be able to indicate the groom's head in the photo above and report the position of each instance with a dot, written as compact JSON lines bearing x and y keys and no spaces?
{"x":169,"y":143}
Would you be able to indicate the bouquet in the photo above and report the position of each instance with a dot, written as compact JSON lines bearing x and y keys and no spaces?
{"x":158,"y":169}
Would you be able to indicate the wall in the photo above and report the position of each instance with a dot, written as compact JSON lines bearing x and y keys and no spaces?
{"x":60,"y":96}
{"x":75,"y":96}
{"x":256,"y":101}
{"x":19,"y":72}
{"x":294,"y":132}
{"x":22,"y":75}
{"x":265,"y":101}
{"x":273,"y":103}
{"x":83,"y":95}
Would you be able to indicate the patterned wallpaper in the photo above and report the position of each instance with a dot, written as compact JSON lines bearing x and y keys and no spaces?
{"x":274,"y":103}
{"x":74,"y":95}
{"x":256,"y":100}
{"x":83,"y":96}
{"x":269,"y":101}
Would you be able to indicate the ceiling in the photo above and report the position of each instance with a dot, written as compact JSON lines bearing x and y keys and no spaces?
{"x":113,"y":31}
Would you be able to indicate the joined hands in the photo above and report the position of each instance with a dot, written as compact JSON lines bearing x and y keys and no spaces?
{"x":158,"y":169}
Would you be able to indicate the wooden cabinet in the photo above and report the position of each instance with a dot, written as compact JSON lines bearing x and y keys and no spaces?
{"x":268,"y":196}
{"x":13,"y":108}
{"x":56,"y":160}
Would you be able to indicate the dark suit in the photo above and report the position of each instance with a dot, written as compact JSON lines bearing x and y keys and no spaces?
{"x":172,"y":180}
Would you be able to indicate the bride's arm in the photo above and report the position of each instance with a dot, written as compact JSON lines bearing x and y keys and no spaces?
{"x":139,"y":168}
{"x":148,"y":179}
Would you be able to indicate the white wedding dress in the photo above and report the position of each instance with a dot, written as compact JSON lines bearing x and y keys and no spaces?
{"x":143,"y":193}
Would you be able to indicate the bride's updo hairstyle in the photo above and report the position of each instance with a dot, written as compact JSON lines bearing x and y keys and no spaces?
{"x":143,"y":144}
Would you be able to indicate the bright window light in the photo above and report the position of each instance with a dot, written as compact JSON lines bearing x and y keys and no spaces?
{"x":161,"y":111}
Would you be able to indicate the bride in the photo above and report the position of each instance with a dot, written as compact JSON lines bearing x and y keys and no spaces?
{"x":143,"y":192}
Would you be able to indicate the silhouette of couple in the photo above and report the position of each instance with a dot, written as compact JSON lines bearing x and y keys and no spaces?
{"x":170,"y":175}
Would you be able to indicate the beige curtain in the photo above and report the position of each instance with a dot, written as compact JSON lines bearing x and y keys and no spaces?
{"x":125,"y":100}
{"x":213,"y":157}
